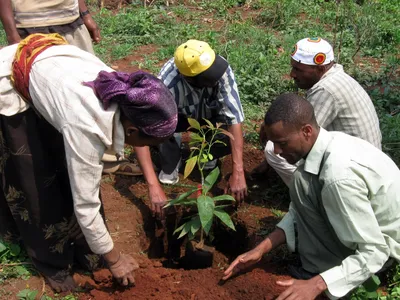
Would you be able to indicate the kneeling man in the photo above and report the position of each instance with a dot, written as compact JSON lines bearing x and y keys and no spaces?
{"x":343,"y":219}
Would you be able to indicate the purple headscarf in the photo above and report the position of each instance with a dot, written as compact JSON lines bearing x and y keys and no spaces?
{"x":143,"y":99}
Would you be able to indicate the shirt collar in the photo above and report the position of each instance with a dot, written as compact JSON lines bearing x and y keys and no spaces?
{"x":334,"y":69}
{"x":316,"y":155}
{"x":188,"y":89}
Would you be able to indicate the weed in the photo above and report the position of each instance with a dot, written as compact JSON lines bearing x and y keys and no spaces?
{"x":277,"y":213}
{"x":14,"y":262}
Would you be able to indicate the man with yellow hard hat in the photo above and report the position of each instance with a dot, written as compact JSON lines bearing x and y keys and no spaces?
{"x":204,"y":87}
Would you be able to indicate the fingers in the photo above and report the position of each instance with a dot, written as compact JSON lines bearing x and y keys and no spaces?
{"x":226,"y":190}
{"x":131,"y":279}
{"x":234,"y":268}
{"x":96,"y":35}
{"x":124,"y":281}
{"x":287,"y":294}
{"x":156,"y":208}
{"x":285,"y":282}
{"x":231,"y":267}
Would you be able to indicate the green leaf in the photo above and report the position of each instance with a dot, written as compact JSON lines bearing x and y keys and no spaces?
{"x":224,"y":197}
{"x":372,"y":284}
{"x":224,"y":217}
{"x":210,"y":157}
{"x":205,"y":206}
{"x":15,"y":250}
{"x":27,"y":295}
{"x":195,"y":137}
{"x":220,"y":142}
{"x":187,"y":202}
{"x":194,"y":123}
{"x":196,"y":225}
{"x":190,"y":163}
{"x":211,"y":125}
{"x":179,"y":228}
{"x":211,"y":179}
{"x":2,"y":247}
{"x":372,"y":295}
{"x":227,"y":133}
{"x":190,"y":236}
{"x":21,"y":270}
{"x":185,"y":229}
{"x":204,"y":160}
{"x":181,"y":198}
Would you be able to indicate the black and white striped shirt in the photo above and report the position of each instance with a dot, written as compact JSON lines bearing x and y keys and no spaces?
{"x":221,"y":102}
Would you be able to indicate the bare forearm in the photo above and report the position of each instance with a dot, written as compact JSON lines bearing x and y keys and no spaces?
{"x":273,"y":240}
{"x":237,"y":147}
{"x":144,"y":158}
{"x":82,"y":6}
{"x":8,"y":21}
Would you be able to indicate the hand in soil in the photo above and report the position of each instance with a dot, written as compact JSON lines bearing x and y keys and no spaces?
{"x":123,"y":269}
{"x":158,"y":199}
{"x":302,"y":289}
{"x":242,"y":262}
{"x":66,"y":285}
{"x":237,"y":186}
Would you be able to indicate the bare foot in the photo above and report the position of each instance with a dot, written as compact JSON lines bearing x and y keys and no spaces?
{"x":65,"y":285}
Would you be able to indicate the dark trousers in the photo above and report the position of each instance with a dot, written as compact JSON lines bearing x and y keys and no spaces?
{"x":36,"y":202}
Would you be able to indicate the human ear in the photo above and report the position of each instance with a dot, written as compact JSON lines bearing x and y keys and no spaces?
{"x":307,"y":130}
{"x":131,"y":130}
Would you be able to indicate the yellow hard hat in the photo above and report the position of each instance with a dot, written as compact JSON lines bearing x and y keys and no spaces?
{"x":193,"y":57}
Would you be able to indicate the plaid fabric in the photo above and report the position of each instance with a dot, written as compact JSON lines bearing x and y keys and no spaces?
{"x":341,"y":104}
{"x":28,"y":49}
{"x":221,"y":102}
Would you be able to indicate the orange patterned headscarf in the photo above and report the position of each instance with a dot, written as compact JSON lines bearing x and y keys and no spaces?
{"x":28,"y":49}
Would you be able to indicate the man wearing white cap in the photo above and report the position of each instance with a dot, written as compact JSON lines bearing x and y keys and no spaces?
{"x":339,"y":101}
{"x":204,"y":87}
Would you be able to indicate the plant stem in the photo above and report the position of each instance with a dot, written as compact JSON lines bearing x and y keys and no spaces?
{"x":201,"y":237}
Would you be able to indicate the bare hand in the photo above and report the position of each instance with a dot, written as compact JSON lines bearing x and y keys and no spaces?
{"x":242,"y":262}
{"x":158,"y":199}
{"x":92,"y":27}
{"x":237,"y":186}
{"x":14,"y":38}
{"x":123,"y":269}
{"x":302,"y":289}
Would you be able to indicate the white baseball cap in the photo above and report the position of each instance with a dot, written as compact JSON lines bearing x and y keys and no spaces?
{"x":313,"y":51}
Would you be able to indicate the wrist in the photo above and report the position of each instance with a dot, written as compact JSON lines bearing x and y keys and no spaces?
{"x":84,"y":13}
{"x":112,"y":257}
{"x":320,"y":284}
{"x":237,"y":168}
{"x":263,"y":247}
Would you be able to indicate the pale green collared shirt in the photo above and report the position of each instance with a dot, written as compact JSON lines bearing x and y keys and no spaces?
{"x":346,"y":208}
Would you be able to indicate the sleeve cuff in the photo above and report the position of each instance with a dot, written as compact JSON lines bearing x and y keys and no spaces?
{"x":103,"y":245}
{"x":338,"y":285}
{"x":287,"y":225}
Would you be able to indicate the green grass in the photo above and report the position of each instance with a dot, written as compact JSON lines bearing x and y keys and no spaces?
{"x":14,"y":262}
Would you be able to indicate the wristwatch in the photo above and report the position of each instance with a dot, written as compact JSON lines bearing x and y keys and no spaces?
{"x":84,"y":13}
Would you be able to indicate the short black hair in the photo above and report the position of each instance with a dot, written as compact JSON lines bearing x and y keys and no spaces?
{"x":291,"y":109}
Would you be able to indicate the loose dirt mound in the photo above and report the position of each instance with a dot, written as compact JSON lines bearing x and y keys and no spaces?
{"x":137,"y":232}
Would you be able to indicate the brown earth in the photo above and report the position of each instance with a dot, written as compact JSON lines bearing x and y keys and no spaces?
{"x":135,"y":231}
